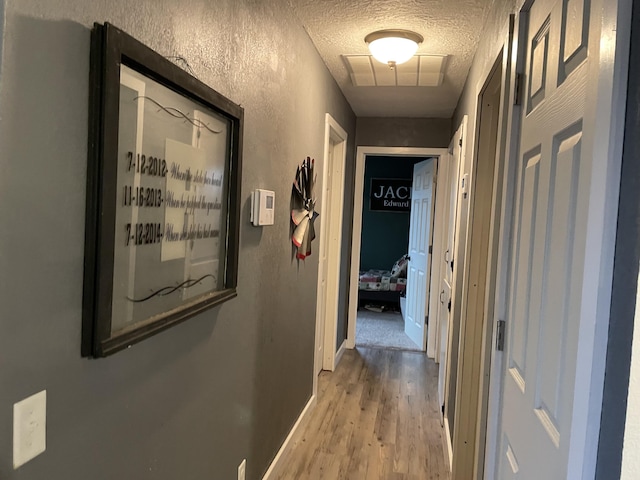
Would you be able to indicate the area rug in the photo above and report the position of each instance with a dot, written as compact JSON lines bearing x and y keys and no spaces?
{"x":382,"y":330}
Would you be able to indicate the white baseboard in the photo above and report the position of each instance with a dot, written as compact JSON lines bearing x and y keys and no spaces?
{"x":276,"y":465}
{"x":340,"y":353}
{"x":447,"y":433}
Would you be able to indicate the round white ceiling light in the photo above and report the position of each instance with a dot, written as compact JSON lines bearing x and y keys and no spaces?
{"x":393,"y":47}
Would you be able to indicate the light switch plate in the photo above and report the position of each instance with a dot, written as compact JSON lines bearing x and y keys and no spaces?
{"x":242,"y":469}
{"x":29,"y":428}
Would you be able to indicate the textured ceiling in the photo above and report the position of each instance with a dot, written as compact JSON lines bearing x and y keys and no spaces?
{"x":449,"y":27}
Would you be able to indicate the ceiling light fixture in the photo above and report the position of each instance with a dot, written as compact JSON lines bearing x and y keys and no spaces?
{"x":393,"y":47}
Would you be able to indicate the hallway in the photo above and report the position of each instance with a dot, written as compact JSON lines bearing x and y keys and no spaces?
{"x":376,"y":418}
{"x":158,"y":356}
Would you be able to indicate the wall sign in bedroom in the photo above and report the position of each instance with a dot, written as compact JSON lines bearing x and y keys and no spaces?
{"x":390,"y":194}
{"x":162,"y":195}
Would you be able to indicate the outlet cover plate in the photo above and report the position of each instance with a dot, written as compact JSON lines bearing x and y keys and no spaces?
{"x":29,"y":428}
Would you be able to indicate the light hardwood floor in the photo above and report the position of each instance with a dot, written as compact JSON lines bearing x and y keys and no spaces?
{"x":376,"y":418}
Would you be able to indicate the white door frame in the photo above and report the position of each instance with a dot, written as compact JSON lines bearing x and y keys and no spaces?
{"x":335,"y":155}
{"x":439,"y":239}
{"x":361,"y":156}
{"x":456,"y":254}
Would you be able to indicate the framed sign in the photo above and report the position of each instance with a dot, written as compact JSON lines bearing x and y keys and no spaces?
{"x":162,"y":195}
{"x":390,"y":194}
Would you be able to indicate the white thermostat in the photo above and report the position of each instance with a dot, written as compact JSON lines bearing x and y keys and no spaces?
{"x":262,"y":207}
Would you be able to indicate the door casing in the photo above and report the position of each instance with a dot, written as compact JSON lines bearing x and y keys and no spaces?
{"x":335,"y":154}
{"x":479,"y":278}
{"x":361,"y":154}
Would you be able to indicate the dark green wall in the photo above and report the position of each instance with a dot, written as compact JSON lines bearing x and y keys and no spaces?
{"x":385,"y":235}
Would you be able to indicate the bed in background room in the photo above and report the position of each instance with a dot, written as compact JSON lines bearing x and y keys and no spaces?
{"x":383,"y":288}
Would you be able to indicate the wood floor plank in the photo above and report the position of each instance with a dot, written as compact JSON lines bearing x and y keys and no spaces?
{"x":376,"y":418}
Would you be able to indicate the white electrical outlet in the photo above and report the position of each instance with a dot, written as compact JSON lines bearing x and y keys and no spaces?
{"x":242,"y":469}
{"x":29,"y":428}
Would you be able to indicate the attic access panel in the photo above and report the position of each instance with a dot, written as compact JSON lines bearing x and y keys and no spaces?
{"x":419,"y":71}
{"x":163,"y":185}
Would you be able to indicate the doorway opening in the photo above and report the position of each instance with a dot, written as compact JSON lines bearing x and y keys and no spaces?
{"x":382,"y":280}
{"x":327,"y":354}
{"x":355,"y":298}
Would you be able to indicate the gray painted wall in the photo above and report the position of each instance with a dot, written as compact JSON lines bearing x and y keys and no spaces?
{"x":494,"y":36}
{"x":191,"y":402}
{"x":403,"y":132}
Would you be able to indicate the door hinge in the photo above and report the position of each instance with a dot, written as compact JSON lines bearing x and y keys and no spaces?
{"x":426,"y":319}
{"x":517,"y":100}
{"x":500,"y":336}
{"x":430,"y":249}
{"x":460,"y":142}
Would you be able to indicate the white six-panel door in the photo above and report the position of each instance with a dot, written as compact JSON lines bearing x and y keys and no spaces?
{"x":545,"y":396}
{"x":419,"y":238}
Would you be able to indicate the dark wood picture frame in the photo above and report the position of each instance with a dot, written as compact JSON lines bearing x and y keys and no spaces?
{"x":110,"y":49}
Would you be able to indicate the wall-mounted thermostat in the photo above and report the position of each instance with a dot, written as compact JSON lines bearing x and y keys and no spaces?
{"x":262,"y":207}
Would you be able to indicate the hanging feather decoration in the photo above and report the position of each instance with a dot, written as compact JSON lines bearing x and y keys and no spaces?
{"x":303,"y":214}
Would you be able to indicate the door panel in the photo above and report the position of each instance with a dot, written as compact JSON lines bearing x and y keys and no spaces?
{"x":546,"y":267}
{"x":574,"y":36}
{"x":556,"y":327}
{"x":525,"y":239}
{"x":419,"y":237}
{"x":514,"y":467}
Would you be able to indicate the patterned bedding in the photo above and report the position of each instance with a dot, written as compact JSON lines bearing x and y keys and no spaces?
{"x":381,"y":281}
{"x":384,"y":280}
